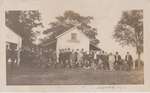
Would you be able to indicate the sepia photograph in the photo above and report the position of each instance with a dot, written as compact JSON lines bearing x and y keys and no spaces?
{"x":78,"y":42}
{"x":74,"y":45}
{"x":68,"y":50}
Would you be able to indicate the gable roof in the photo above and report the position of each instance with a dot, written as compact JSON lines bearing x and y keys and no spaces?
{"x":71,"y":29}
{"x":67,"y":31}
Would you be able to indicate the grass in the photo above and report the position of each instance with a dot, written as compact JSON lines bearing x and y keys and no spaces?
{"x":73,"y":77}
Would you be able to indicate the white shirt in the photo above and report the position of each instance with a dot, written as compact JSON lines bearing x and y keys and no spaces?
{"x":111,"y":58}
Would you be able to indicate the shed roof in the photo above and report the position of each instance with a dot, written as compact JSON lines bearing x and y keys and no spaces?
{"x":9,"y":29}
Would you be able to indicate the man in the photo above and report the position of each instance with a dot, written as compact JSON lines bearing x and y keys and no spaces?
{"x":100,"y":61}
{"x":104,"y":58}
{"x":128,"y":59}
{"x":76,"y":57}
{"x":111,"y":60}
{"x":69,"y":58}
{"x":11,"y":60}
{"x":118,"y":60}
{"x":106,"y":61}
{"x":60,"y":56}
{"x":87,"y":61}
{"x":80,"y":59}
{"x":72,"y":59}
{"x":91,"y":56}
{"x":63,"y":57}
{"x":95,"y":57}
{"x":54,"y":59}
{"x":67,"y":52}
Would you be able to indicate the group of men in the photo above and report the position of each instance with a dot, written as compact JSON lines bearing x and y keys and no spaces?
{"x":93,"y":59}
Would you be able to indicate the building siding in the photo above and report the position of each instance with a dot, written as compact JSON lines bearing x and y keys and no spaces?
{"x":65,"y":41}
{"x":13,"y":37}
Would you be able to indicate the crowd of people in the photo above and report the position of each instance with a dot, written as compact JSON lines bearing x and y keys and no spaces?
{"x":91,"y":60}
{"x":68,"y":58}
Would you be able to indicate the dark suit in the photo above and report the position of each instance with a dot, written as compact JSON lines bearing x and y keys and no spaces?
{"x":128,"y":59}
{"x":117,"y":59}
{"x":118,"y":63}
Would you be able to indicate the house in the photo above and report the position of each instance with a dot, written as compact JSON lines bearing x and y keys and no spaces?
{"x":13,"y":44}
{"x":73,"y":39}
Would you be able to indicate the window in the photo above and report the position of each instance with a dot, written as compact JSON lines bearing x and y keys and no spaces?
{"x":11,"y":46}
{"x":73,"y":36}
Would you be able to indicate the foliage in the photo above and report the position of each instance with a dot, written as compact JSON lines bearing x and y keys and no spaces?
{"x":23,"y":22}
{"x":70,"y":19}
{"x":129,"y":30}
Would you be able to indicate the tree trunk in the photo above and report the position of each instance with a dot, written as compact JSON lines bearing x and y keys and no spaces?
{"x":139,"y":60}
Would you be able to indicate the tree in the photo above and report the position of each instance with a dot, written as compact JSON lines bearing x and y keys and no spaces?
{"x":129,"y":30}
{"x":23,"y":22}
{"x":69,"y":20}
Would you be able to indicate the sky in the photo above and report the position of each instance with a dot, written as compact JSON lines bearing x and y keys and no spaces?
{"x":106,"y":14}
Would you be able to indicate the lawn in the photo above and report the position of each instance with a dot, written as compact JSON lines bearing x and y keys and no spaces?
{"x":73,"y":76}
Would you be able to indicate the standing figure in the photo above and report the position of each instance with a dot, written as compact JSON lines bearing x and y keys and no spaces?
{"x":111,"y":60}
{"x":76,"y":57}
{"x":80,"y":59}
{"x":100,"y":61}
{"x":63,"y":57}
{"x":94,"y":62}
{"x":128,"y":59}
{"x":86,"y":61}
{"x":13,"y":59}
{"x":72,"y":59}
{"x":67,"y":56}
{"x":106,"y":65}
{"x":95,"y":57}
{"x":54,"y":59}
{"x":118,"y":61}
{"x":60,"y":57}
{"x":104,"y":60}
{"x":91,"y":57}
